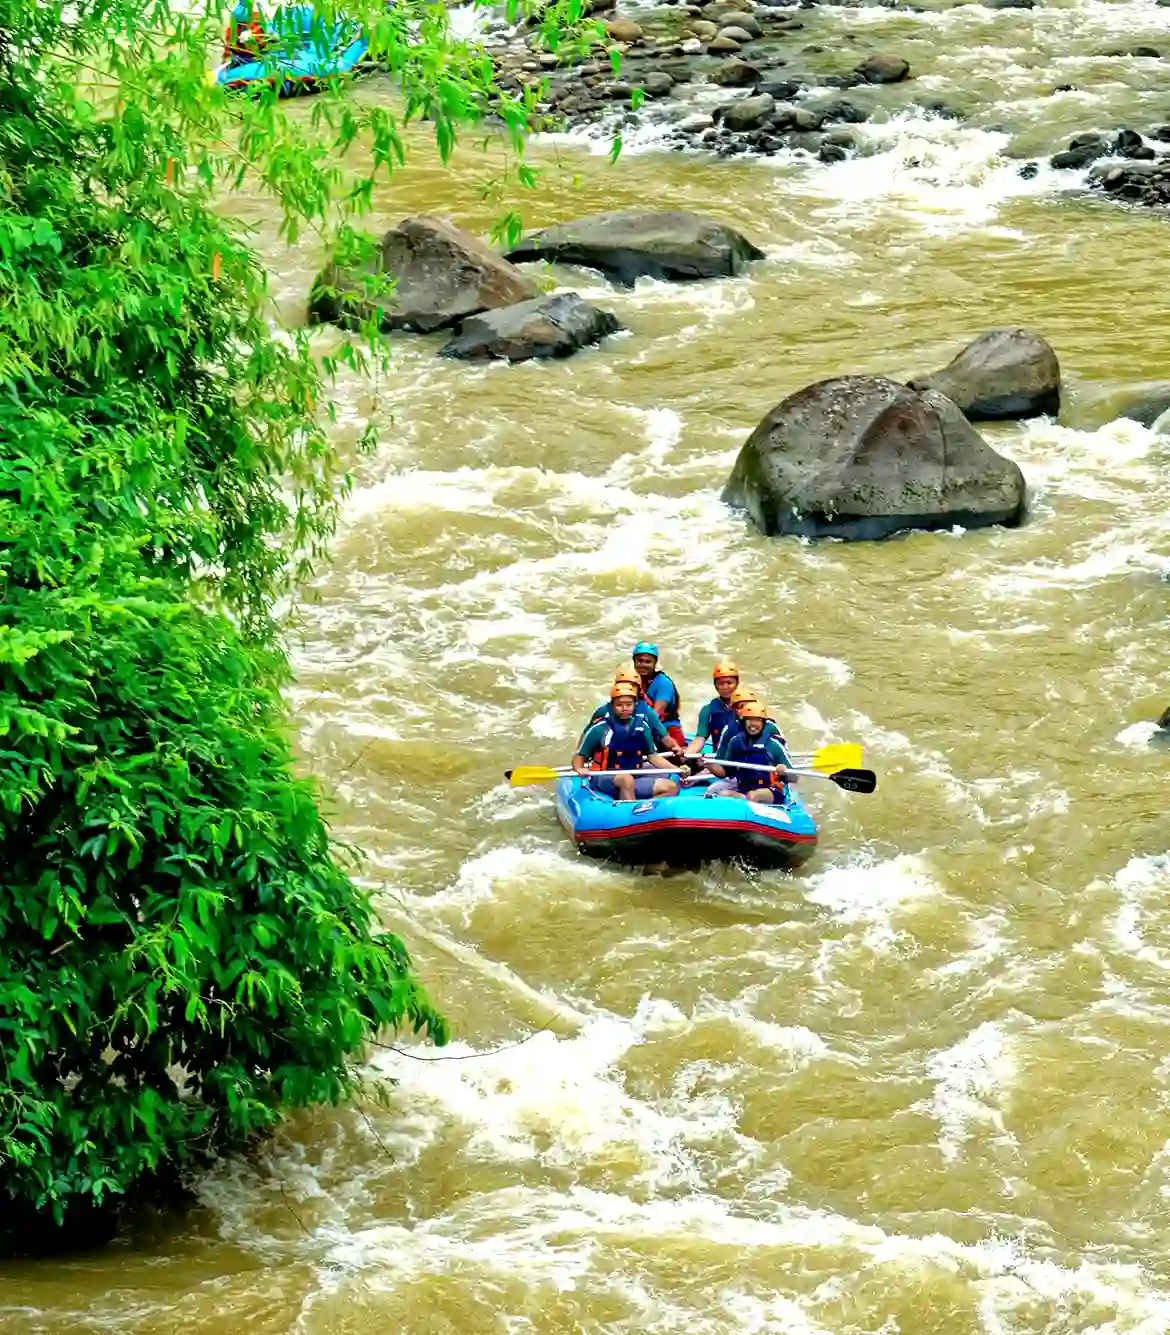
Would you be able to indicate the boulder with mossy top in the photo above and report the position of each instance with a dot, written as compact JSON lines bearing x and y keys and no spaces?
{"x":441,"y":275}
{"x":863,"y":457}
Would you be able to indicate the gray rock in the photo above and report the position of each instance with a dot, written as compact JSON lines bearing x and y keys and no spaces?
{"x":550,"y":326}
{"x":442,"y":275}
{"x":746,"y":115}
{"x":657,"y":83}
{"x":805,"y":120}
{"x":702,"y":29}
{"x":1082,"y":150}
{"x":736,"y":34}
{"x":883,"y":69}
{"x":691,"y":47}
{"x":1002,"y":374}
{"x":1148,"y":408}
{"x":723,"y":45}
{"x":627,"y":246}
{"x":863,"y":457}
{"x":734,"y":74}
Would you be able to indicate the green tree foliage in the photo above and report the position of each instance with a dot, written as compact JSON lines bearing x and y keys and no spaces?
{"x":182,"y":953}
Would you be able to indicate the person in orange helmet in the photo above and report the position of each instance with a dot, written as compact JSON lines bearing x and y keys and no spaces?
{"x":717,"y":714}
{"x":751,"y":747}
{"x":642,"y":709}
{"x":625,"y":743}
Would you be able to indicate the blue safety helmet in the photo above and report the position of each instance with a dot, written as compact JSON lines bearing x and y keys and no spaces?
{"x":644,"y":647}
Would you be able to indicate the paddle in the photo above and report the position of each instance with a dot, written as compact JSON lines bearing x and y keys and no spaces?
{"x":851,"y":780}
{"x":835,"y":756}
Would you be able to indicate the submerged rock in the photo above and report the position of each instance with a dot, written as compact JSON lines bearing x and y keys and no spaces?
{"x":442,"y":275}
{"x":627,"y":246}
{"x":1002,"y":374}
{"x":863,"y":457}
{"x":551,"y":326}
{"x":1147,"y":409}
{"x":883,"y":69}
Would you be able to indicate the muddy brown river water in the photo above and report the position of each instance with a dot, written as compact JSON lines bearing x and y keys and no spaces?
{"x":920,"y":1087}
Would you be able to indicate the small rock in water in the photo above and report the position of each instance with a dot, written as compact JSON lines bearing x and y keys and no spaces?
{"x":657,"y":83}
{"x":691,"y":47}
{"x":746,"y":115}
{"x":703,"y":29}
{"x":845,"y":112}
{"x":549,"y":326}
{"x":694,"y":124}
{"x":832,"y":153}
{"x":1082,"y":150}
{"x":883,"y":69}
{"x":736,"y":34}
{"x":623,"y":30}
{"x":1029,"y":171}
{"x":734,"y":74}
{"x":805,"y":120}
{"x":723,"y":45}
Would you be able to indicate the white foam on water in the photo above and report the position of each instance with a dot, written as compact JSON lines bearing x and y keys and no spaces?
{"x":1137,"y":736}
{"x":1142,"y":886}
{"x":871,"y":892}
{"x":971,"y":1078}
{"x":560,"y":1102}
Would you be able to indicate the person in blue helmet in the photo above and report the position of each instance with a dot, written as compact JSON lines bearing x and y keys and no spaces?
{"x":660,"y":691}
{"x":750,"y":746}
{"x":641,"y":710}
{"x":626,"y":744}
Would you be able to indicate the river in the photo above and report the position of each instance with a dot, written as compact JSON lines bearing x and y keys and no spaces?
{"x":919,"y":1087}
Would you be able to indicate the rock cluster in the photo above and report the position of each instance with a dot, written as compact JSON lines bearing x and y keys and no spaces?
{"x":443,"y":277}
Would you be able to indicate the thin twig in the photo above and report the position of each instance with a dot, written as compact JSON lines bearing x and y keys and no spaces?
{"x":464,"y":1056}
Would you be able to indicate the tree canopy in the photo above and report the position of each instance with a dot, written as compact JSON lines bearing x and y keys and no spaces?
{"x":183,"y":953}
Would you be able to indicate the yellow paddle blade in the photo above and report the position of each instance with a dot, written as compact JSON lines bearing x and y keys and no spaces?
{"x":526,"y":774}
{"x":839,"y":755}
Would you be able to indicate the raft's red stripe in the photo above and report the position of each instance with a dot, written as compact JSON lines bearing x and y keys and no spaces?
{"x":786,"y":836}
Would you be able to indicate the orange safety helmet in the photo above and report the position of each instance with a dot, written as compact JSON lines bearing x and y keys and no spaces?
{"x":753,"y":709}
{"x":724,"y":668}
{"x":741,"y":694}
{"x":628,"y":674}
{"x":622,"y":688}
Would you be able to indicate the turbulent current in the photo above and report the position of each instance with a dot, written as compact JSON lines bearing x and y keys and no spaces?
{"x":920,"y":1087}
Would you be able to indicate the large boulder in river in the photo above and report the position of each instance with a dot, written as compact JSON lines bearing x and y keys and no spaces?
{"x":626,"y":246}
{"x":863,"y":457}
{"x":552,"y":326}
{"x":442,"y":275}
{"x":1002,"y":374}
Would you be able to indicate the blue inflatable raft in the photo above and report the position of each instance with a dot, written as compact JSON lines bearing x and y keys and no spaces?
{"x":305,"y":51}
{"x":686,"y":829}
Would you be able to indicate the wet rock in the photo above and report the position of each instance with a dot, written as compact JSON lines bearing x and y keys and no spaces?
{"x":842,"y":80}
{"x":1147,"y":409}
{"x":748,"y":114}
{"x":723,"y":45}
{"x":1002,"y":374}
{"x":691,"y":47}
{"x":442,"y":275}
{"x":840,"y":139}
{"x":883,"y":69}
{"x":1029,"y":171}
{"x":781,"y":89}
{"x":734,"y":74}
{"x":736,"y":34}
{"x":702,"y":29}
{"x":863,"y":457}
{"x":623,"y":30}
{"x":845,"y":112}
{"x":1129,"y":144}
{"x":627,"y":246}
{"x":549,"y":326}
{"x":1082,"y":149}
{"x":832,"y":153}
{"x":1010,"y":4}
{"x":1161,"y":132}
{"x":656,"y":83}
{"x":695,"y":124}
{"x":805,"y":120}
{"x":748,"y":23}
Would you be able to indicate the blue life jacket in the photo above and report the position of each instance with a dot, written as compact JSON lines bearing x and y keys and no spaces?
{"x":751,"y":753}
{"x":719,"y":716}
{"x":673,"y":704}
{"x":627,"y":746}
{"x":735,"y":729}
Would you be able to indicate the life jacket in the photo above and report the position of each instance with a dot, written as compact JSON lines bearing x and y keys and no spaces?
{"x":626,"y":746}
{"x":605,"y":711}
{"x":752,"y":753}
{"x":734,"y":729}
{"x":719,"y":716}
{"x":672,"y":706}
